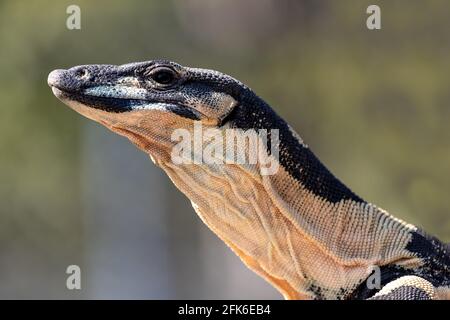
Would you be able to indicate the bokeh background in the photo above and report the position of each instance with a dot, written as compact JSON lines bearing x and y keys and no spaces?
{"x":373,"y":105}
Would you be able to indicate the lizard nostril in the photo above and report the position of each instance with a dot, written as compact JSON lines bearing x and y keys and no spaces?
{"x":82,"y":74}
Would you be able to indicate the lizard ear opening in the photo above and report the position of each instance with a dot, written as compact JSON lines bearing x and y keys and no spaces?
{"x":216,"y":109}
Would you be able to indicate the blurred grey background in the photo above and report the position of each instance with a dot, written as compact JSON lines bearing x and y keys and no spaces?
{"x":373,"y":105}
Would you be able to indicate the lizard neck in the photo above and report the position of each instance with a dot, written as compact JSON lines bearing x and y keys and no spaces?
{"x":300,"y":228}
{"x":317,"y":226}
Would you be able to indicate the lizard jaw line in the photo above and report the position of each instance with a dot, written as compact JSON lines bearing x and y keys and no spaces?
{"x":121,"y":105}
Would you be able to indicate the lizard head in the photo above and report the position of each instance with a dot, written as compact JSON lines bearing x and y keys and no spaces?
{"x":146,"y":101}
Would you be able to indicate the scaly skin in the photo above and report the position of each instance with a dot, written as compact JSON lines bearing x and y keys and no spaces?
{"x":299,"y":228}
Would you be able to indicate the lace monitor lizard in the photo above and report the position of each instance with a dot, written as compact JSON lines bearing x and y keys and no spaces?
{"x":301,"y":229}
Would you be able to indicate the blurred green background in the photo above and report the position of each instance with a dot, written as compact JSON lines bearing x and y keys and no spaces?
{"x":373,"y":105}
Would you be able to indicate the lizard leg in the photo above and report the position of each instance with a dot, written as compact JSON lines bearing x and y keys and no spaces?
{"x":406,"y":288}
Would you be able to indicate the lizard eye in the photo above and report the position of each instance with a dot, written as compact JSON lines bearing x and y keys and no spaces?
{"x":164,"y":76}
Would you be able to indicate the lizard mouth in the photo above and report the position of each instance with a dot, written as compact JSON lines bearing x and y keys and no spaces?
{"x":121,"y":105}
{"x":109,"y":104}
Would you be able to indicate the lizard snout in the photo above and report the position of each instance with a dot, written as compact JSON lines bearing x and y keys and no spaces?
{"x":71,"y":80}
{"x":54,"y":77}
